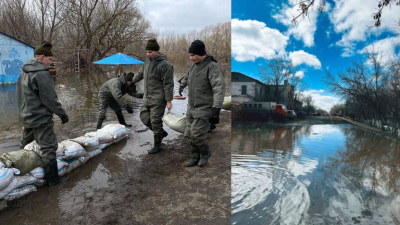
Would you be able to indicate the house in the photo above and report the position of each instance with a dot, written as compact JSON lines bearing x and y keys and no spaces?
{"x":247,"y":89}
{"x":13,"y":54}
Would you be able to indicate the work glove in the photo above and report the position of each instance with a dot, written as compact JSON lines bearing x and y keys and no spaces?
{"x":64,"y":119}
{"x":214,"y":118}
{"x":129,"y":109}
{"x":181,"y":90}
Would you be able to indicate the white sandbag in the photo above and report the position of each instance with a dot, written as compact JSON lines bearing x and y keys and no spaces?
{"x":72,"y":150}
{"x":94,"y":153}
{"x":72,"y":164}
{"x":25,"y":180}
{"x":18,"y":193}
{"x":227,"y":104}
{"x":104,"y":145}
{"x":38,"y":172}
{"x":102,"y":136}
{"x":116,"y":130}
{"x":6,"y":176}
{"x":33,"y":146}
{"x":175,"y":122}
{"x":2,"y":164}
{"x":12,"y":186}
{"x":87,"y":142}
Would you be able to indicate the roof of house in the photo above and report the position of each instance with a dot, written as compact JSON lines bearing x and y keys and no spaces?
{"x":247,"y":77}
{"x":17,"y":40}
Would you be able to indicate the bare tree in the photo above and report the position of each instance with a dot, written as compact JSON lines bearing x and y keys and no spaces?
{"x":365,"y":83}
{"x":275,"y":72}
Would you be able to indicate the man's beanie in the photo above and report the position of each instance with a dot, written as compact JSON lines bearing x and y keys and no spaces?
{"x":152,"y":45}
{"x":129,"y":76}
{"x":198,"y":48}
{"x":44,"y":49}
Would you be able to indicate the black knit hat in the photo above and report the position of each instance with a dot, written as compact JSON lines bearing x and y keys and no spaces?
{"x":44,"y":49}
{"x":152,"y":45}
{"x":129,"y":76}
{"x":198,"y":48}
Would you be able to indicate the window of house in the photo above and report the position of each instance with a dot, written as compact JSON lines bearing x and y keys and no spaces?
{"x":249,"y":105}
{"x":259,"y":106}
{"x":255,"y":106}
{"x":245,"y":105}
{"x":244,"y":89}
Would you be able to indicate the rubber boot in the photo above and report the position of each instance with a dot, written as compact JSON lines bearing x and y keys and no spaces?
{"x":195,"y":156}
{"x":121,"y":119}
{"x":157,"y":144}
{"x":205,"y":154}
{"x":51,"y":174}
{"x":99,"y":123}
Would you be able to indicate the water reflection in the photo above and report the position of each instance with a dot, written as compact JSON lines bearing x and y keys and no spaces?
{"x":313,"y":174}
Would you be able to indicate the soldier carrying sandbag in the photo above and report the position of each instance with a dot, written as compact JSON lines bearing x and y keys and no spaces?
{"x":206,"y":82}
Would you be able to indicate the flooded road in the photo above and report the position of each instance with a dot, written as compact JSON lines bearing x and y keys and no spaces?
{"x":314,"y":174}
{"x":122,"y":185}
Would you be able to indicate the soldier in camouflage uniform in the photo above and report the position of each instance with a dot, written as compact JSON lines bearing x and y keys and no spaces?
{"x":111,"y":93}
{"x":206,"y":84}
{"x":37,"y":101}
{"x":158,"y":76}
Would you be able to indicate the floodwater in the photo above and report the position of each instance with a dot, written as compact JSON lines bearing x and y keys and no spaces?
{"x":314,"y":174}
{"x":79,"y":98}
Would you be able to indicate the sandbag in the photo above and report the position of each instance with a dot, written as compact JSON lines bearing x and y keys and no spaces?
{"x":24,"y":160}
{"x":227,"y":104}
{"x":38,"y":172}
{"x":72,"y":164}
{"x":18,"y":193}
{"x":116,"y":130}
{"x":6,"y":176}
{"x":175,"y":122}
{"x":102,"y":136}
{"x":18,"y":182}
{"x":33,"y":146}
{"x":87,"y":142}
{"x":72,"y":150}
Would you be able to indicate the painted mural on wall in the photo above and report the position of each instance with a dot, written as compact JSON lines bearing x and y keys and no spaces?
{"x":13,"y":54}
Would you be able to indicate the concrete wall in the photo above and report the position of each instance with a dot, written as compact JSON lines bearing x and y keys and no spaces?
{"x":13,"y":54}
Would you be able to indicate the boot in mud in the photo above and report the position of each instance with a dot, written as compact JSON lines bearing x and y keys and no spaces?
{"x":195,"y":156}
{"x":51,"y":173}
{"x":205,"y":154}
{"x":157,"y":144}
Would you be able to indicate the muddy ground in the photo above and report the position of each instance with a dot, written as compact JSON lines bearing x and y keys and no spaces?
{"x":140,"y":189}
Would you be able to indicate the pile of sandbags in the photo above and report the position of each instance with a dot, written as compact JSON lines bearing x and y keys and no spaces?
{"x":22,"y":171}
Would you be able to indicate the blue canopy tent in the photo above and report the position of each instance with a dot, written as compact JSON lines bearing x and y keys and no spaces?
{"x":119,"y":59}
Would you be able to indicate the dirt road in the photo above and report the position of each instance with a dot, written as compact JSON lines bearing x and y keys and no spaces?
{"x":146,"y":189}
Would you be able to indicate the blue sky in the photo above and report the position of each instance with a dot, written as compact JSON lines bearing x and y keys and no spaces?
{"x":262,"y":29}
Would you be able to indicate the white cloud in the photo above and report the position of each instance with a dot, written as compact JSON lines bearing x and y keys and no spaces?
{"x":300,"y":57}
{"x":299,"y":74}
{"x":324,"y":102}
{"x":185,"y":15}
{"x":385,"y":47}
{"x":252,"y":39}
{"x":304,"y":29}
{"x":352,"y":18}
